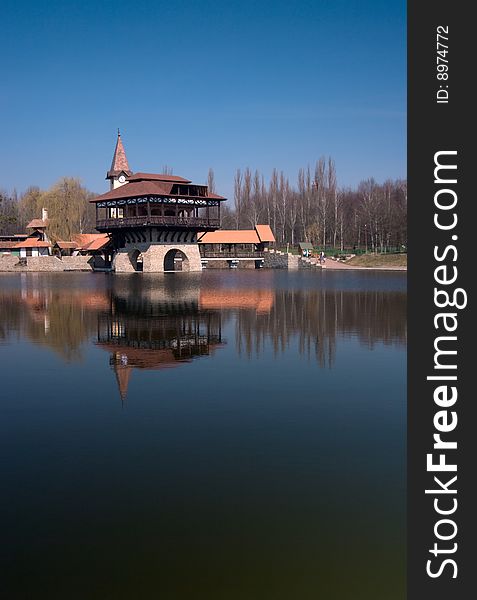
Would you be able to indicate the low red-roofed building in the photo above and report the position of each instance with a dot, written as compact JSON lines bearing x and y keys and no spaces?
{"x":37,"y":243}
{"x":32,"y":246}
{"x":98,"y":245}
{"x":236,"y":241}
{"x":8,"y":243}
{"x":63,"y":248}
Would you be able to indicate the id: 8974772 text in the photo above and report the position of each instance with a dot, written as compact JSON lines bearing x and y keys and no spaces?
{"x":442,"y":63}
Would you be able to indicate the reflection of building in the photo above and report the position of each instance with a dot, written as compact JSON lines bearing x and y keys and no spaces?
{"x":260,"y":300}
{"x":156,"y":325}
{"x":152,"y":323}
{"x":154,"y":218}
{"x":156,"y":343}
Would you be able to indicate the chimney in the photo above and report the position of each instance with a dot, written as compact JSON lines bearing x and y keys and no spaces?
{"x":44,"y":214}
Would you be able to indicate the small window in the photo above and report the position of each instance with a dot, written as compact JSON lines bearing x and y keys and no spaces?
{"x":116,"y":213}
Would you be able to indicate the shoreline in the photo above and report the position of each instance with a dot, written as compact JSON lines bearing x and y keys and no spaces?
{"x":344,"y":267}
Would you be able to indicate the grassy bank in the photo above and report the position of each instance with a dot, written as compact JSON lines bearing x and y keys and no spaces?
{"x":378,"y":260}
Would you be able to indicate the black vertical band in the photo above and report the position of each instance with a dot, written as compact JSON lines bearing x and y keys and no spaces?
{"x":440,"y":119}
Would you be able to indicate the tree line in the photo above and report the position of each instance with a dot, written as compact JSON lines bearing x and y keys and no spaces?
{"x":314,"y":209}
{"x":67,"y":203}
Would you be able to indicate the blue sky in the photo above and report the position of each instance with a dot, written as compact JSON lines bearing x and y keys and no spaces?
{"x":193,"y":85}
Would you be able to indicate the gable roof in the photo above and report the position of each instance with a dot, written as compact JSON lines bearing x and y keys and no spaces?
{"x":91,"y":241}
{"x":265,"y":233}
{"x":37,"y":224}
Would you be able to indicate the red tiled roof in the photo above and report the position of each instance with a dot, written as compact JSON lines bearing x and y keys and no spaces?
{"x":261,"y":233}
{"x":141,"y":187}
{"x":37,"y":224}
{"x":97,"y":244}
{"x":158,"y":177}
{"x":91,"y":241}
{"x":33,"y":243}
{"x":265,"y":233}
{"x":7,"y":245}
{"x":135,"y":189}
{"x":230,"y":236}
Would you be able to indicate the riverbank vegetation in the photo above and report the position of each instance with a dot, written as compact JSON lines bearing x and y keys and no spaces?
{"x":378,"y":260}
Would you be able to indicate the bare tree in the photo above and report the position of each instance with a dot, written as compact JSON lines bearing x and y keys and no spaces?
{"x":238,"y":197}
{"x":211,"y":181}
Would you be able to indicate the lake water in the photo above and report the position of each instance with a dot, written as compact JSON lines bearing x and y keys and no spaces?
{"x":230,"y":435}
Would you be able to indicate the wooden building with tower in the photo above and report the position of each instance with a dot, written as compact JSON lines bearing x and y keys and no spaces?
{"x":153,"y":219}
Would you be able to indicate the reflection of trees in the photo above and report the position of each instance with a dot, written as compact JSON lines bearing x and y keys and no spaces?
{"x":60,"y":319}
{"x":315,"y":319}
{"x":185,"y":315}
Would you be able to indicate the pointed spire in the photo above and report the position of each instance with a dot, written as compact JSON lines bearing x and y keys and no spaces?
{"x":120,"y":162}
{"x":123,"y":374}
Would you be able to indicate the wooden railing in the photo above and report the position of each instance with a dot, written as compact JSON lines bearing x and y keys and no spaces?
{"x":230,"y":255}
{"x":169,"y":221}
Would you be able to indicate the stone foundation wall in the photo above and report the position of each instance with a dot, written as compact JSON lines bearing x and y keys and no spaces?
{"x":153,"y":256}
{"x":49,"y":264}
{"x":280,"y":260}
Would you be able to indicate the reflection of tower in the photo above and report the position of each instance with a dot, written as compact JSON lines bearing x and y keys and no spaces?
{"x":151,"y":334}
{"x":119,"y":363}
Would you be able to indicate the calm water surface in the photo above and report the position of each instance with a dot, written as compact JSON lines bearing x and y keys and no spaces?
{"x":232,"y":435}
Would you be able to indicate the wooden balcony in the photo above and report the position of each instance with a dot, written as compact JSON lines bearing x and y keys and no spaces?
{"x":199,"y":223}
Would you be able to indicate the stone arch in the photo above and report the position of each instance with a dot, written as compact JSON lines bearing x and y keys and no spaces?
{"x":136,"y":259}
{"x":176,"y":260}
